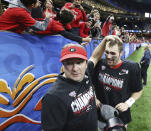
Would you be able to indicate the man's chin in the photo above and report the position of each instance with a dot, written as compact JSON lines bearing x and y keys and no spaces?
{"x":109,"y":63}
{"x":78,"y":79}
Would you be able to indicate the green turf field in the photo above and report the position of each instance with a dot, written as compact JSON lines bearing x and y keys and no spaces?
{"x":141,"y":110}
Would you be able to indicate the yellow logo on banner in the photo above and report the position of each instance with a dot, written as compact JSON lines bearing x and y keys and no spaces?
{"x":21,"y":95}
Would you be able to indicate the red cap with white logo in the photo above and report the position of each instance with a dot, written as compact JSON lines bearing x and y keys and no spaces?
{"x":73,"y":52}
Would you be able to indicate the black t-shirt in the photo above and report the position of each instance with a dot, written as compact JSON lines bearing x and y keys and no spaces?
{"x":70,"y":105}
{"x":114,"y":86}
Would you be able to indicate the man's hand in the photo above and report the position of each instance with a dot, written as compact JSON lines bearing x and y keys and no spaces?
{"x":75,"y":5}
{"x":98,"y":103}
{"x":38,"y":4}
{"x":87,"y":39}
{"x":84,"y":44}
{"x":122,"y":107}
{"x":97,"y":24}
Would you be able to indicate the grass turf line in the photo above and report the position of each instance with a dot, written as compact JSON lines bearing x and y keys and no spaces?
{"x":141,"y":110}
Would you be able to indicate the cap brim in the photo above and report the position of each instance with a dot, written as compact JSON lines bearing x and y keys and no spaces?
{"x":68,"y":56}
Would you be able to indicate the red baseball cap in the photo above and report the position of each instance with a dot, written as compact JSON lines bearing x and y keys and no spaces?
{"x":73,"y":52}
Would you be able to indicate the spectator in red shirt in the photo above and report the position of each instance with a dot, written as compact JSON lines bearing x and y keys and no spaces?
{"x":85,"y":28}
{"x":49,"y":6}
{"x":79,"y":13}
{"x":40,"y":12}
{"x":17,"y":17}
{"x":58,"y":26}
{"x":107,"y":28}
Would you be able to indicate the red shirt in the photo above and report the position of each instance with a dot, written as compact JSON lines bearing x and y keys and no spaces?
{"x":16,"y":20}
{"x":79,"y":15}
{"x":114,"y":32}
{"x":84,"y":30}
{"x":107,"y":26}
{"x":54,"y":27}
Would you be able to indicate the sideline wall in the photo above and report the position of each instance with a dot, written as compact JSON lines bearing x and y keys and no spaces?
{"x":28,"y":66}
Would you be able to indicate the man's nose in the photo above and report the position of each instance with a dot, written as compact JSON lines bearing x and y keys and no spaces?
{"x":109,"y":55}
{"x":75,"y":66}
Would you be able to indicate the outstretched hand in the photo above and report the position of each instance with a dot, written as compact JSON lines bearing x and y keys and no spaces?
{"x":87,"y":39}
{"x":83,"y":44}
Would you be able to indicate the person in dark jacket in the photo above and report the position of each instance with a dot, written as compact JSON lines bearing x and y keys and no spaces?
{"x":144,"y":62}
{"x":96,"y":26}
{"x":69,"y":105}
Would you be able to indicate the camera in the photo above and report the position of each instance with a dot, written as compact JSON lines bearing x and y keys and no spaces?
{"x":77,"y":6}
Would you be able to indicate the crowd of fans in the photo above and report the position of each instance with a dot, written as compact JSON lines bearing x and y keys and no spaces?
{"x":68,"y":19}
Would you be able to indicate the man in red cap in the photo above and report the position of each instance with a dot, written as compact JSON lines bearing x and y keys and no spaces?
{"x":70,"y":105}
